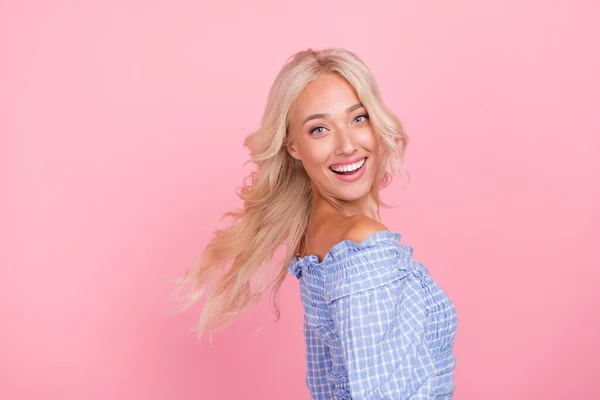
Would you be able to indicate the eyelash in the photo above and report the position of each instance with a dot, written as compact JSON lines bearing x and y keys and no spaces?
{"x":312,"y":131}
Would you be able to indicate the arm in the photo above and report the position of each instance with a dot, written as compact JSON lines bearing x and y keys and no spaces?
{"x":379,"y":314}
{"x":318,"y":365}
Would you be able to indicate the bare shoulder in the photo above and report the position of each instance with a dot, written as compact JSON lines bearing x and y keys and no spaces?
{"x":360,"y":227}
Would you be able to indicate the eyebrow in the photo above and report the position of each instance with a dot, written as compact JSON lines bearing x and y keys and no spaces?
{"x":319,"y":116}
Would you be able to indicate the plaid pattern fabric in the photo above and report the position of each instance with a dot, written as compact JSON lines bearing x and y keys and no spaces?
{"x":376,"y":325}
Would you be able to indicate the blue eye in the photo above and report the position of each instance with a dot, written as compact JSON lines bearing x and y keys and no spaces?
{"x":364,"y":116}
{"x":316,"y":128}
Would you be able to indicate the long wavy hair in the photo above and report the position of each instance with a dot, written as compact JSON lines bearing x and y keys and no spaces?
{"x":237,"y":264}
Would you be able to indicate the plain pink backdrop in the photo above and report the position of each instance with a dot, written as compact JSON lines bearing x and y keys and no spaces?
{"x":121,"y":146}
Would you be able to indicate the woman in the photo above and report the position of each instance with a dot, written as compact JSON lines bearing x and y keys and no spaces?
{"x":376,"y":326}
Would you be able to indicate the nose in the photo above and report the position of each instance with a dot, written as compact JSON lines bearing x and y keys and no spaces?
{"x":345,"y":145}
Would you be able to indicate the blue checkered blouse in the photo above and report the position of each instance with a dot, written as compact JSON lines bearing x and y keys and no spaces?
{"x":376,"y":325}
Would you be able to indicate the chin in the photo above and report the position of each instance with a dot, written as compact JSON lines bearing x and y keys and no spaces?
{"x":347,"y":192}
{"x":353,"y":194}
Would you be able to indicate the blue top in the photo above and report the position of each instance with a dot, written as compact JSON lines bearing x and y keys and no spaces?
{"x":376,"y":325}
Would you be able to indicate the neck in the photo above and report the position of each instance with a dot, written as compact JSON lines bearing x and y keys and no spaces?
{"x":363,"y":206}
{"x":321,"y":209}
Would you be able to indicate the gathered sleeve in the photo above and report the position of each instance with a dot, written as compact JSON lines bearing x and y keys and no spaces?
{"x":379,"y":313}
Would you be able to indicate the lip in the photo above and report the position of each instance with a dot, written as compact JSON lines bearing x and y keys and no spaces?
{"x":354,"y":176}
{"x":351,"y":161}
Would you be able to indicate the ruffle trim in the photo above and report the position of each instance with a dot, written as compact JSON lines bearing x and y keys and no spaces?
{"x":345,"y":247}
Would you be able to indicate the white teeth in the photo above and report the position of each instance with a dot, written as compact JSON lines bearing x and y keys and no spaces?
{"x":350,"y":167}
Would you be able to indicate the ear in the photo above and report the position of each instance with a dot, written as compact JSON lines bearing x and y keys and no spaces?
{"x":292,"y":149}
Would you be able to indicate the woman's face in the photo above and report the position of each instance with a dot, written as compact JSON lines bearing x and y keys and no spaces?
{"x":332,"y":135}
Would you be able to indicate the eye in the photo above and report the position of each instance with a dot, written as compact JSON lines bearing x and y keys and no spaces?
{"x":317,"y":130}
{"x":361,"y":118}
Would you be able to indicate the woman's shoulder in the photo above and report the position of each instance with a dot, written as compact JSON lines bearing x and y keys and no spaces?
{"x":358,"y":228}
{"x":368,"y":256}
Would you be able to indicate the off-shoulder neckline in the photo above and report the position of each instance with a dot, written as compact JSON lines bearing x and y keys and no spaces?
{"x":348,"y":245}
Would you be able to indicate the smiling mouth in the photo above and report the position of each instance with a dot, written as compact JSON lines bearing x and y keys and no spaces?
{"x":349,"y":169}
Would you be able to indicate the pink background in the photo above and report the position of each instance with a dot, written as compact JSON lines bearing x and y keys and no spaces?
{"x":121,"y":145}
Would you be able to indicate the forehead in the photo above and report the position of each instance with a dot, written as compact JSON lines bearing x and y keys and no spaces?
{"x":329,"y":93}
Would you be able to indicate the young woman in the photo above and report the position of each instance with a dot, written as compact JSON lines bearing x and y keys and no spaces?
{"x":376,"y":325}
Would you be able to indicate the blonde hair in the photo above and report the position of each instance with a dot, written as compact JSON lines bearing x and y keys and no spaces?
{"x":277,"y":200}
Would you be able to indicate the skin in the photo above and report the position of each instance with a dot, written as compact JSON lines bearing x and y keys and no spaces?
{"x":337,"y":130}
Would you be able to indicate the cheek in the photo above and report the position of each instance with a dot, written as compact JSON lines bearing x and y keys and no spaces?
{"x":315,"y":154}
{"x":369,"y":141}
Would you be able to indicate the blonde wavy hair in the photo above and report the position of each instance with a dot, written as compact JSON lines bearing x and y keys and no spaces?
{"x":277,"y":199}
